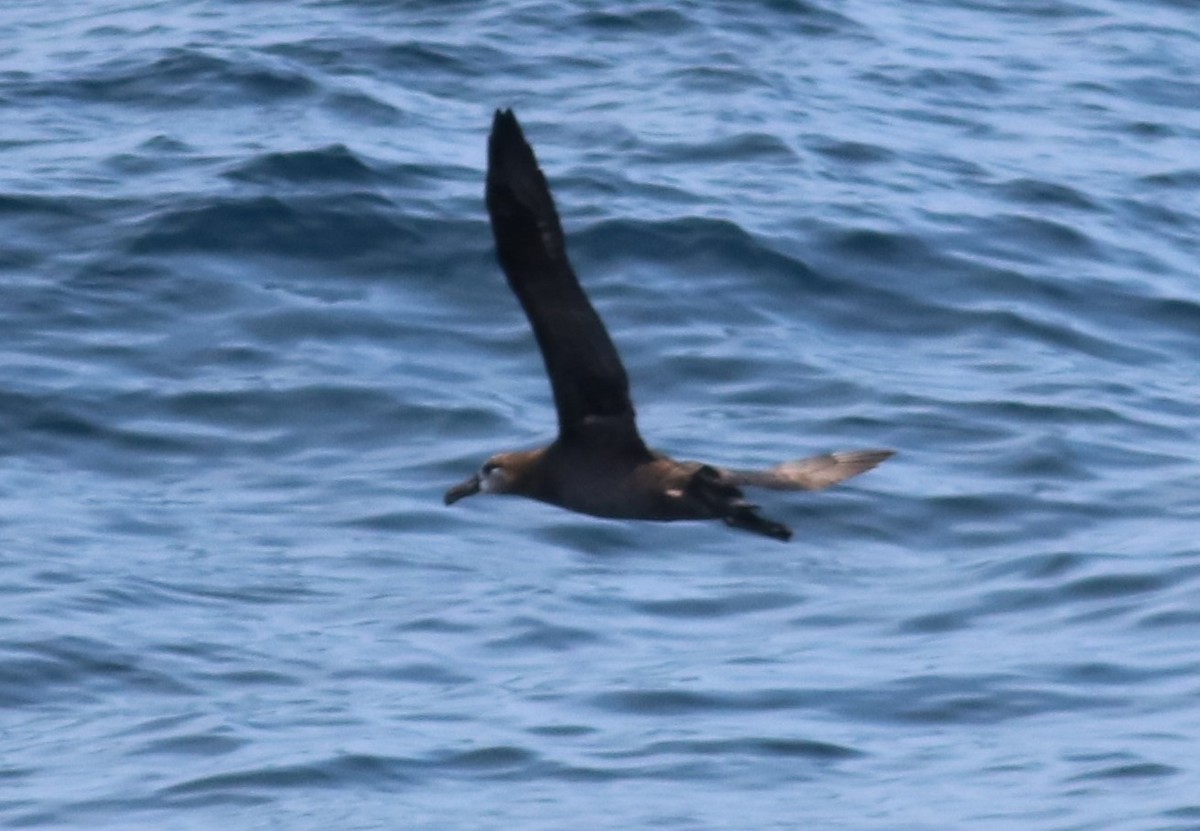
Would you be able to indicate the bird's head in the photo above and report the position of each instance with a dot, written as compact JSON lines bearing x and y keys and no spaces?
{"x":501,"y":473}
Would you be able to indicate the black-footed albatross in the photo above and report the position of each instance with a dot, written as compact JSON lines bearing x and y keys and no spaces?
{"x":599,"y":464}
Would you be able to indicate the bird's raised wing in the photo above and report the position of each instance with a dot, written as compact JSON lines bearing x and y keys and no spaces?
{"x":591,"y":389}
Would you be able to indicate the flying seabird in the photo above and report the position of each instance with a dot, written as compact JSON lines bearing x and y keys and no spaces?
{"x":599,"y":464}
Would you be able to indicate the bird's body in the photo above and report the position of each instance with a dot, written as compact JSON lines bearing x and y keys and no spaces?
{"x":599,"y":464}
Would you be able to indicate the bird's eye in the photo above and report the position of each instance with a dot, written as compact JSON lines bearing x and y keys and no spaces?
{"x":488,"y":467}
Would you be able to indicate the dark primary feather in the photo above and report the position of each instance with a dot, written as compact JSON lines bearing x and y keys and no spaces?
{"x":585,"y":370}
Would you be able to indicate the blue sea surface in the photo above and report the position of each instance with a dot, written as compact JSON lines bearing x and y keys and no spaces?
{"x":252,"y":327}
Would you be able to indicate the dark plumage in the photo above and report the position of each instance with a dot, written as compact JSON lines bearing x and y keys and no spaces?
{"x":599,"y":464}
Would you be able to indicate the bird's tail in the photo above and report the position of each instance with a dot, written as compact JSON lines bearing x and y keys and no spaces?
{"x":811,"y":474}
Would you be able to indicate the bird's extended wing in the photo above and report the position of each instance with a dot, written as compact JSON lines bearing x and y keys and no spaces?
{"x":589,"y":383}
{"x":812,"y":474}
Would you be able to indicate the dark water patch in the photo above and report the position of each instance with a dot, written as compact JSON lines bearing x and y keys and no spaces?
{"x":324,"y":323}
{"x":437,"y":625}
{"x":405,"y":522}
{"x":362,"y":108}
{"x":1054,"y":9}
{"x":203,"y":651}
{"x":252,"y":678}
{"x":795,"y":17}
{"x":1136,"y":770}
{"x":166,"y":144}
{"x":114,"y":281}
{"x":695,"y":245}
{"x":1110,"y":586}
{"x":71,"y":426}
{"x":1084,"y":597}
{"x":1030,"y":239}
{"x":331,"y":228}
{"x":686,"y":771}
{"x":249,"y":593}
{"x":959,"y":81}
{"x":666,"y":702}
{"x":1169,"y":619}
{"x":11,"y":773}
{"x":644,"y":21}
{"x":983,"y":518}
{"x":716,"y":78}
{"x":199,"y":745}
{"x":292,"y":422}
{"x":488,"y":759}
{"x":1162,"y":91}
{"x":741,"y":148}
{"x":539,"y":636}
{"x":438,"y":67}
{"x":961,"y":169}
{"x":1089,"y":456}
{"x":1152,"y":213}
{"x":435,"y":61}
{"x":132,"y":592}
{"x":1188,"y":812}
{"x":1149,"y":129}
{"x":1048,"y":327}
{"x":330,"y":53}
{"x":350,"y":770}
{"x":983,"y":699}
{"x":897,"y":250}
{"x":421,"y":56}
{"x":76,"y":669}
{"x":1042,"y":193}
{"x":854,"y":152}
{"x":1107,"y":674}
{"x":562,"y":730}
{"x":1186,"y":178}
{"x":39,"y":231}
{"x":87,"y":433}
{"x":990,"y":523}
{"x":28,"y":204}
{"x":14,"y":259}
{"x":717,"y":607}
{"x":1046,"y":458}
{"x":335,"y":163}
{"x":993,"y":509}
{"x":178,"y":78}
{"x":158,"y":155}
{"x":591,"y":536}
{"x":413,"y":178}
{"x":412,"y":673}
{"x":891,"y":283}
{"x":1041,"y":566}
{"x":764,"y":747}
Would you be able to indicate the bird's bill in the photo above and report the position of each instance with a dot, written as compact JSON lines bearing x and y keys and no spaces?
{"x":468,"y":487}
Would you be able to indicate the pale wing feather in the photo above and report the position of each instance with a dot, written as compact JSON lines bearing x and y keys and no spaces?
{"x":811,"y":474}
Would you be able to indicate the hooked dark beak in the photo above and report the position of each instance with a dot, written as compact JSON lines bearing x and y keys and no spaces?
{"x":468,"y":488}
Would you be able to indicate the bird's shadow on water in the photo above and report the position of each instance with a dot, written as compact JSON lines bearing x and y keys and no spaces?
{"x":599,"y":539}
{"x":826,"y":515}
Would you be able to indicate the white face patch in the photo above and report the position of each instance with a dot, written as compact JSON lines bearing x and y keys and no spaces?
{"x":493,"y":479}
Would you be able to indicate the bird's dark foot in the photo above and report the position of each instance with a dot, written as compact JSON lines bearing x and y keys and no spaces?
{"x":748,"y":518}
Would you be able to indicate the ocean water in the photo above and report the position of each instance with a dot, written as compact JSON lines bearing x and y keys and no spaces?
{"x":253,"y":327}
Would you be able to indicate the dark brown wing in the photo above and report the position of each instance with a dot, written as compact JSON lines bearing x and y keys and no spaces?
{"x":812,"y":474}
{"x":590,"y":386}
